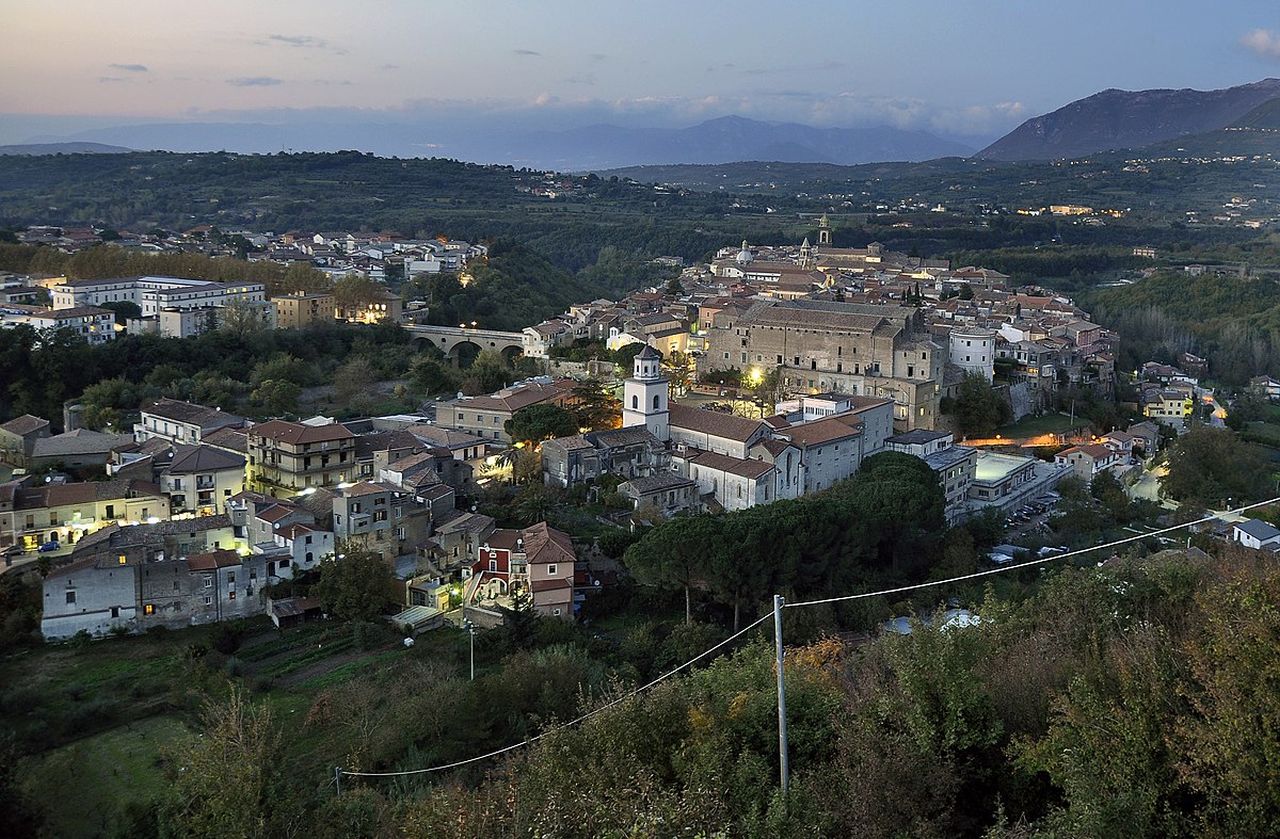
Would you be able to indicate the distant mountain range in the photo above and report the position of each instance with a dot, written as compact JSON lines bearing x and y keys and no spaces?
{"x":63,"y":148}
{"x":1123,"y":119}
{"x":591,"y":147}
{"x":732,"y":138}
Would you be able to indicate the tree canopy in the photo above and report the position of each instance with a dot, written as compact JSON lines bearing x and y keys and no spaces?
{"x":541,"y":422}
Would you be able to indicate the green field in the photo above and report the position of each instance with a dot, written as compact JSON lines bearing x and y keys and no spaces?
{"x":1047,"y":424}
{"x":92,"y":777}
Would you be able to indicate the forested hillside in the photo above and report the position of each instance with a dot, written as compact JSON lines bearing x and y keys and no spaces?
{"x":1232,"y":321}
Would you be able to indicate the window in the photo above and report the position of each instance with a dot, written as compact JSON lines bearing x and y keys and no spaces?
{"x":71,"y":598}
{"x":208,"y":601}
{"x":122,"y":559}
{"x":556,"y":612}
{"x":231,"y":576}
{"x":149,"y":609}
{"x":635,"y":402}
{"x":551,"y":570}
{"x":115,"y":611}
{"x":208,"y":581}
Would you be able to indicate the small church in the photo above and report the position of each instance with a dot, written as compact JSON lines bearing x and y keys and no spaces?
{"x":678,"y":457}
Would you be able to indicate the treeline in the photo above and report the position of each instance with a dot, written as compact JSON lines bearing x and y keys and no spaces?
{"x":884,"y":523}
{"x":104,"y":261}
{"x":516,"y":286}
{"x":253,"y":368}
{"x":1233,"y":322}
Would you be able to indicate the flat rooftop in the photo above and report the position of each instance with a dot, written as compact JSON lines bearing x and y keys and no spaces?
{"x":994,"y":467}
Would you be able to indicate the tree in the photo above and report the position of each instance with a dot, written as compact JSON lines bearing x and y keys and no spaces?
{"x":355,"y":291}
{"x":232,"y":781}
{"x":977,"y":408}
{"x":1208,"y":466}
{"x":276,"y":397}
{"x":541,"y":422}
{"x":535,"y":502}
{"x":595,"y":407}
{"x":355,"y":584}
{"x":20,"y":815}
{"x":353,"y":384}
{"x":430,"y":376}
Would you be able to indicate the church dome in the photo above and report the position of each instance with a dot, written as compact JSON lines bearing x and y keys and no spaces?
{"x":744,"y":256}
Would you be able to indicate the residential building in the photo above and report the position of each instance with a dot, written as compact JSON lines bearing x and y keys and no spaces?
{"x":33,"y":514}
{"x":486,"y":416}
{"x":1255,"y":533}
{"x":302,"y":309}
{"x":626,"y":452}
{"x":79,"y":449}
{"x":287,"y":457}
{"x":18,"y":438}
{"x":1087,"y":462}
{"x":201,"y":479}
{"x":1006,"y":481}
{"x":94,"y":325}
{"x":182,"y":422}
{"x":385,"y":306}
{"x":539,"y":560}
{"x":665,"y":492}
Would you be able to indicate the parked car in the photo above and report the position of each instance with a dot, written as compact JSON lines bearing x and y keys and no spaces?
{"x":48,"y":547}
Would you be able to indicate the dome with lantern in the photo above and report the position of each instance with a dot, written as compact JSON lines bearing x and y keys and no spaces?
{"x":744,"y":256}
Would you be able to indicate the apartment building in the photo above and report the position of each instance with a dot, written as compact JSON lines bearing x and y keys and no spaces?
{"x":288,"y":457}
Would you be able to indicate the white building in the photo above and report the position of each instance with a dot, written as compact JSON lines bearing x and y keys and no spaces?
{"x":94,"y":325}
{"x":974,"y":351}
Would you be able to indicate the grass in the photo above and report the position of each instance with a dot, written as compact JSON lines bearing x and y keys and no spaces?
{"x":101,"y":774}
{"x":1047,"y":424}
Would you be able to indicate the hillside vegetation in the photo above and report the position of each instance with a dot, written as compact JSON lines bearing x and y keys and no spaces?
{"x":1232,"y":321}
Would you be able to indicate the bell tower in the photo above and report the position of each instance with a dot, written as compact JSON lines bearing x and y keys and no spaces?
{"x":645,"y":394}
{"x":824,"y":231}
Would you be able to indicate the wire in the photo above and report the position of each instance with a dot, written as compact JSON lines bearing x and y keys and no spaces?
{"x":767,"y":615}
{"x":619,"y":700}
{"x":1041,"y":561}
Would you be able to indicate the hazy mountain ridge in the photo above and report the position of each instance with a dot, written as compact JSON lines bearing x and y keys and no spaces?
{"x":730,"y":139}
{"x":1121,"y":119}
{"x":596,"y":146}
{"x":34,"y":149}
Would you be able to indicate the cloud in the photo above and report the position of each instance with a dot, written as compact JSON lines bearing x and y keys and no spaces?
{"x":820,"y":67}
{"x":1263,"y":42}
{"x":110,"y":79}
{"x":130,"y":68}
{"x":303,"y":42}
{"x":526,"y":52}
{"x":597,"y":56}
{"x":254,"y":81}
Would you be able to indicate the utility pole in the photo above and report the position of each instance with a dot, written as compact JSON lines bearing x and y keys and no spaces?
{"x":471,"y":630}
{"x":783,"y":767}
{"x":337,"y":778}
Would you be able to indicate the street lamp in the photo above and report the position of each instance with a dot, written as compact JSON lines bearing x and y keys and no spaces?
{"x":471,"y":630}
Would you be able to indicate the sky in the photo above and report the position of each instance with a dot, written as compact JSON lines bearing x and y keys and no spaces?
{"x":958,"y":68}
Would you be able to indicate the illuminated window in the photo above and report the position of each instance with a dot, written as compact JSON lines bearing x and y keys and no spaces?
{"x":122,"y":559}
{"x":149,"y":609}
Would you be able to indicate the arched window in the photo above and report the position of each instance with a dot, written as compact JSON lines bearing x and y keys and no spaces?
{"x":635,"y":402}
{"x":656,"y":397}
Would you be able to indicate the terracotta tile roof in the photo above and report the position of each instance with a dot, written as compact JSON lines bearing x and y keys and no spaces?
{"x":753,"y":469}
{"x":25,"y":424}
{"x":295,"y":433}
{"x":212,"y":560}
{"x":714,"y":423}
